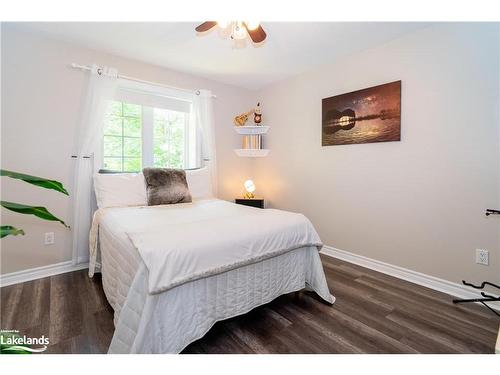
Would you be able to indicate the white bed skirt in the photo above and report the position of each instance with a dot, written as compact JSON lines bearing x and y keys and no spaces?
{"x":169,"y":321}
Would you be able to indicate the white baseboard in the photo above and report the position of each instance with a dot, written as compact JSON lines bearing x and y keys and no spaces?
{"x":40,"y":272}
{"x":428,"y":281}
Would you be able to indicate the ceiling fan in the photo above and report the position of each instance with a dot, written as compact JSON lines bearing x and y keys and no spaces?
{"x":237,"y":30}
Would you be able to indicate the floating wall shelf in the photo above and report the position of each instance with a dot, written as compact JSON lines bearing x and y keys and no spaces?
{"x":253,"y":136}
{"x":251,"y":129}
{"x":251,"y":153}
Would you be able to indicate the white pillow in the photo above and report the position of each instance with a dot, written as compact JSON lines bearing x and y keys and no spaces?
{"x":199,"y":183}
{"x":120,"y":189}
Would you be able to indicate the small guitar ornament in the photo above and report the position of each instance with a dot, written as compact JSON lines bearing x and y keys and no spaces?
{"x":257,"y":114}
{"x":240,"y":120}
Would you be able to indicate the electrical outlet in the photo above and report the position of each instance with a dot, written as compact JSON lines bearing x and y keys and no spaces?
{"x":49,"y":238}
{"x":482,"y":256}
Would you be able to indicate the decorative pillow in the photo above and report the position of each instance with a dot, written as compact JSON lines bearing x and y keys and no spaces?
{"x":199,"y":183}
{"x":120,"y":189}
{"x":166,"y":186}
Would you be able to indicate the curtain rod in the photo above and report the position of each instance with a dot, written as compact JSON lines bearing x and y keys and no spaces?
{"x":85,"y":67}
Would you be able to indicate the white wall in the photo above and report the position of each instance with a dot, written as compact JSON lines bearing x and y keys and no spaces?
{"x":41,"y":98}
{"x":418,"y":203}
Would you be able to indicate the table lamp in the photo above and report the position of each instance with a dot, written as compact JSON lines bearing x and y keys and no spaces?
{"x":250,"y":188}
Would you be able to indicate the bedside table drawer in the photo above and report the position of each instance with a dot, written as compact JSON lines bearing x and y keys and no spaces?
{"x":258,"y":203}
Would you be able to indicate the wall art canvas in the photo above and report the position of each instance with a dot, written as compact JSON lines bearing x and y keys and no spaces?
{"x":363,"y":116}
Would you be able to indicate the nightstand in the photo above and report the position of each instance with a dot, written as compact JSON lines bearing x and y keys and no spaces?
{"x":253,"y":202}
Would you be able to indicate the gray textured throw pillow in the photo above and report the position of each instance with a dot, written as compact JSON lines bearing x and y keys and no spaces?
{"x":166,"y":186}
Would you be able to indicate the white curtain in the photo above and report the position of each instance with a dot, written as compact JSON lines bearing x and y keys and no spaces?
{"x":205,"y":126}
{"x":101,"y":87}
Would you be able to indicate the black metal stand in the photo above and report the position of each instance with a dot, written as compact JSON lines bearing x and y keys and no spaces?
{"x":487,"y":297}
{"x":489,"y":212}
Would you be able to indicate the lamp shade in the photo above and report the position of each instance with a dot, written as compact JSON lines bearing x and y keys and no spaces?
{"x":249,"y":186}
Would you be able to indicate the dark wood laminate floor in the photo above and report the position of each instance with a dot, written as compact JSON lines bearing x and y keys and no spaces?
{"x":374,"y":313}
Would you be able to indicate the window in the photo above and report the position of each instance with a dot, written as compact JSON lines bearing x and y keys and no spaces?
{"x":144,"y":130}
{"x":169,"y":138}
{"x":123,"y":138}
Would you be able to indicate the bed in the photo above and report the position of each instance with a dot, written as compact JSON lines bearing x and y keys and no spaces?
{"x":171,"y":272}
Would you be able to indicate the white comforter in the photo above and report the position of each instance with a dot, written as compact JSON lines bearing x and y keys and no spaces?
{"x":185,"y":242}
{"x":249,"y":272}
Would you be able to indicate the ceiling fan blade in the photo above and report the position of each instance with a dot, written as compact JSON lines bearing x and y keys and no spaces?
{"x":205,"y":26}
{"x":258,"y":35}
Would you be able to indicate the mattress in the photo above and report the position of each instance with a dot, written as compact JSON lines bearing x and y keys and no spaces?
{"x":167,"y":322}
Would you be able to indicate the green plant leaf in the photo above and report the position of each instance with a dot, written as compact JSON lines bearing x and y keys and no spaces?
{"x":38,"y":181}
{"x":6,"y":230}
{"x":40,"y":212}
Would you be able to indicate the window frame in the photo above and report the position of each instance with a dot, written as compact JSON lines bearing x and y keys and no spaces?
{"x":166,"y":98}
{"x":147,"y":138}
{"x":187,"y":137}
{"x":122,"y":157}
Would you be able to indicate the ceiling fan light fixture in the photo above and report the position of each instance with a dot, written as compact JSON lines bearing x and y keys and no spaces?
{"x":252,"y":25}
{"x":223,"y":24}
{"x":239,"y":32}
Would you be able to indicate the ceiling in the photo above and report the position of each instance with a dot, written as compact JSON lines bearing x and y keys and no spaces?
{"x":290,"y":48}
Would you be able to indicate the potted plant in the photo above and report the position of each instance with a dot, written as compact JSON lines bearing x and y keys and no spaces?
{"x":38,"y":211}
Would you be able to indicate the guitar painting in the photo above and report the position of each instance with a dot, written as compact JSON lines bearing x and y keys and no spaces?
{"x":363,"y":116}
